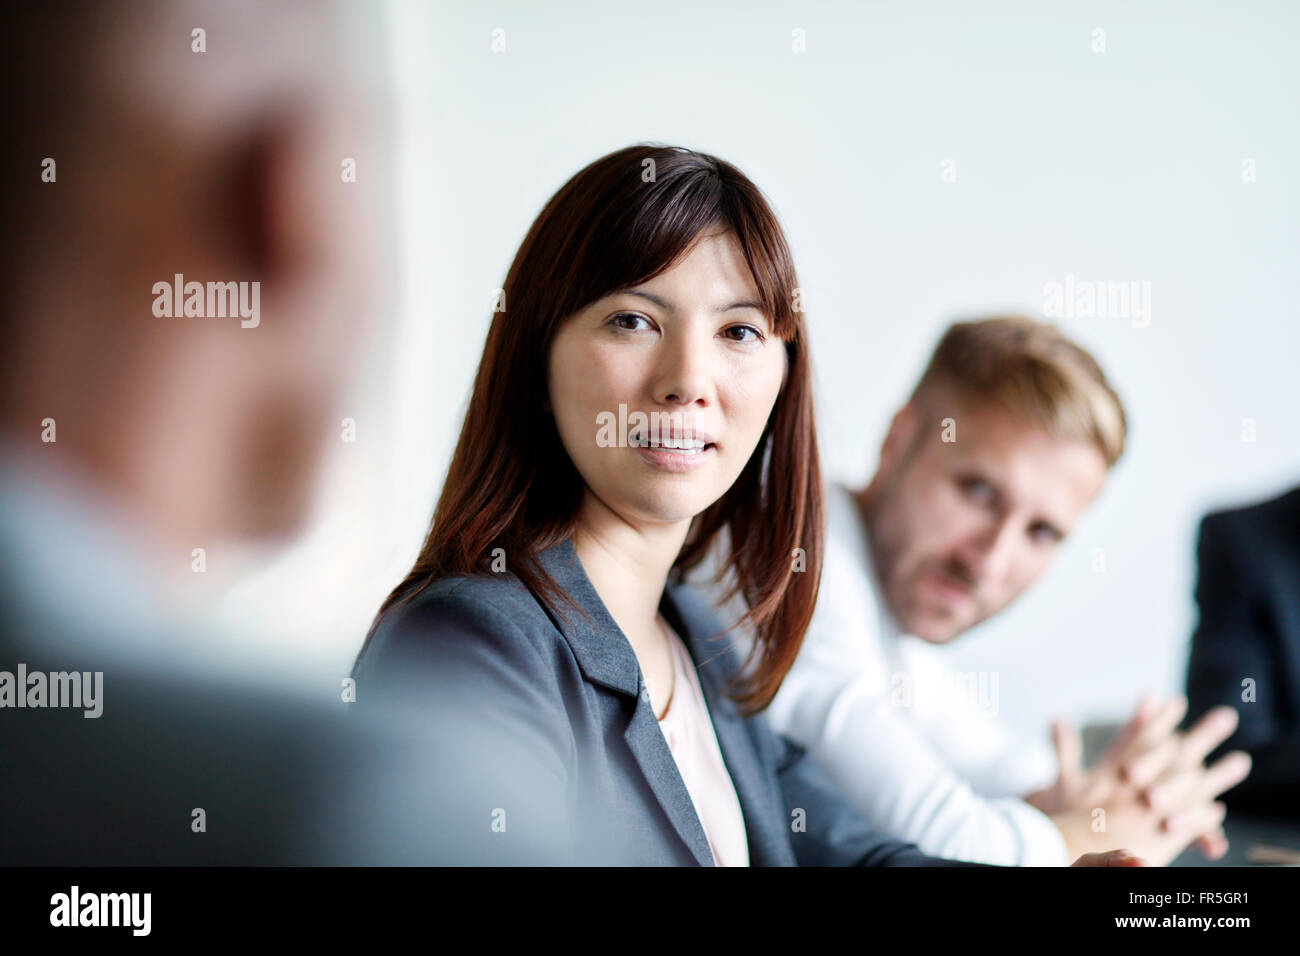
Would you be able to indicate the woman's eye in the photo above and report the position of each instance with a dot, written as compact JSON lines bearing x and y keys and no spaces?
{"x":744,"y":333}
{"x":627,"y":321}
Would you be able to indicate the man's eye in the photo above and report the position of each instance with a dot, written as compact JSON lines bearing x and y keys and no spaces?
{"x":628,"y":321}
{"x":754,"y":335}
{"x":1045,"y":534}
{"x":977,"y":489}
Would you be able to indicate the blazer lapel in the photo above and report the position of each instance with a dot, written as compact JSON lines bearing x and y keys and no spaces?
{"x":714,"y":661}
{"x":648,"y":746}
{"x":606,"y":657}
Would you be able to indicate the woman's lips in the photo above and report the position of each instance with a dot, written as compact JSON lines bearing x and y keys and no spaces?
{"x":675,"y":460}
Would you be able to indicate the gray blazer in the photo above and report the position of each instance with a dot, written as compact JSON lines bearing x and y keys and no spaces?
{"x":550,"y":750}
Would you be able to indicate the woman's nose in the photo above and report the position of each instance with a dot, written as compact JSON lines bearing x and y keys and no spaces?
{"x":684,"y":375}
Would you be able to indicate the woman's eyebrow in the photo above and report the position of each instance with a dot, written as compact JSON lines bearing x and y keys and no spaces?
{"x":657,"y":300}
{"x":669,"y":307}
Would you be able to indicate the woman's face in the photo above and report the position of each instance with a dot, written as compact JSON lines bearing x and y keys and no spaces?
{"x":661,"y":392}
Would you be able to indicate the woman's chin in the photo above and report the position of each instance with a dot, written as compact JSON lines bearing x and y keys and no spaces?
{"x":669,"y":506}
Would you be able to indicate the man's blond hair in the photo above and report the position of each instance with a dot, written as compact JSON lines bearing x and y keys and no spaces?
{"x":1030,"y":369}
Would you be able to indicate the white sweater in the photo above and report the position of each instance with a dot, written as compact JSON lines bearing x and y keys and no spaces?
{"x":921,"y":752}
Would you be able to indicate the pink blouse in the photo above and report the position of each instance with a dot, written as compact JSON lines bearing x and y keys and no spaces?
{"x":689,"y":731}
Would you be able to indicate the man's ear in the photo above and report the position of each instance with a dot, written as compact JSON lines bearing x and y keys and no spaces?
{"x":901,"y":435}
{"x":274,"y":202}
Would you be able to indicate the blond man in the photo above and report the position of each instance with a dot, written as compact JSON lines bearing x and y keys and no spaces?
{"x":1004,"y":442}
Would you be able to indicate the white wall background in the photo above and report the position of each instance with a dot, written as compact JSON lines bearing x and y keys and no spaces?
{"x":1122,"y":165}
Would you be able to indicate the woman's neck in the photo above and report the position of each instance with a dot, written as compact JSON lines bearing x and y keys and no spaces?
{"x":628,"y":564}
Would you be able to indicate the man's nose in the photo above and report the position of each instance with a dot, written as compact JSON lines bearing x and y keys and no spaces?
{"x":988,"y":554}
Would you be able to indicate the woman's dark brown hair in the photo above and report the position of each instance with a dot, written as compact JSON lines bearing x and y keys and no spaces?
{"x":623,"y":220}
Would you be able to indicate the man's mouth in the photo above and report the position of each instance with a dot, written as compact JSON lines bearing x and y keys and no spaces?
{"x":954,"y":589}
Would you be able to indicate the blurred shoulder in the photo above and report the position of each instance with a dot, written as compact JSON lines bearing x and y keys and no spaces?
{"x":1279,"y":515}
{"x":501,"y":597}
{"x":462,"y":616}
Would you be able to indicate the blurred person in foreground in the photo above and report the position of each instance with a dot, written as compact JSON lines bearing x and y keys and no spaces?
{"x":985,"y":470}
{"x":1246,"y":649}
{"x":152,"y":146}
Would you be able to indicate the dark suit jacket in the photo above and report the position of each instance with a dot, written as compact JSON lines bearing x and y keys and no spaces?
{"x":283,"y":775}
{"x":1248,"y":591}
{"x":556,"y":748}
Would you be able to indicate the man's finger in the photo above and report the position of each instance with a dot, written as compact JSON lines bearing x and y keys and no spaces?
{"x":1180,"y":786}
{"x":1069,"y":753}
{"x":1175,"y":790}
{"x":1150,"y":766}
{"x":1158,"y":729}
{"x":1213,"y":845}
{"x":1110,"y":858}
{"x":1226,"y":772}
{"x":1210,"y":731}
{"x":1166,"y":720}
{"x":1189,"y":824}
{"x":1128,"y":733}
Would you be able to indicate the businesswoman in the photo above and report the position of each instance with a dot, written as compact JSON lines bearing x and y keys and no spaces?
{"x":644,"y":390}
